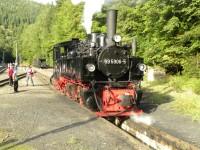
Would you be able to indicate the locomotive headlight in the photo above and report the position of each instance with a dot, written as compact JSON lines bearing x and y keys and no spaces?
{"x":117,"y":38}
{"x":90,"y":67}
{"x":142,"y":67}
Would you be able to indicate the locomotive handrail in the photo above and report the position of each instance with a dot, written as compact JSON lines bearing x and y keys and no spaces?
{"x":95,"y":96}
{"x":111,"y":81}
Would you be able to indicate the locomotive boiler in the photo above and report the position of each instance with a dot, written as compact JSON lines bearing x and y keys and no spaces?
{"x":99,"y":72}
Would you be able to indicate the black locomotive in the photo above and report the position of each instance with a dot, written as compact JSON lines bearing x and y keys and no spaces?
{"x":99,"y":72}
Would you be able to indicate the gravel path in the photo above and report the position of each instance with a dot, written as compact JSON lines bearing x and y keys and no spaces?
{"x":39,"y":118}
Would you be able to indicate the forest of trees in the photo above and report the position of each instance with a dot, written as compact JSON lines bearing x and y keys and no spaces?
{"x":14,"y":17}
{"x":167,"y":31}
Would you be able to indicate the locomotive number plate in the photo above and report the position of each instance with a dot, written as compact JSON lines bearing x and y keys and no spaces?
{"x":115,"y":61}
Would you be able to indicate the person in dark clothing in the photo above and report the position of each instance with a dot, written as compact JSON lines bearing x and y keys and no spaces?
{"x":15,"y":80}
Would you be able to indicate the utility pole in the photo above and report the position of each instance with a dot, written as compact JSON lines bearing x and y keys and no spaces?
{"x":134,"y":46}
{"x":3,"y":58}
{"x":16,"y":60}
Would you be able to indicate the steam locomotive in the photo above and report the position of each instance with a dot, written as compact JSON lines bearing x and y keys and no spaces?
{"x":99,"y":72}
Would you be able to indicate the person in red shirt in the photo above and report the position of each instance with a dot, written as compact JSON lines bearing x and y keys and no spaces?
{"x":10,"y":74}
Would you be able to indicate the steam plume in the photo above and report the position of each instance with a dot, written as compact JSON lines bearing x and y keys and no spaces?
{"x":144,"y":118}
{"x":91,"y":7}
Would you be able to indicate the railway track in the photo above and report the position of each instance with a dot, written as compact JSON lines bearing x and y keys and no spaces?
{"x":6,"y":81}
{"x":153,"y":137}
{"x":2,"y":69}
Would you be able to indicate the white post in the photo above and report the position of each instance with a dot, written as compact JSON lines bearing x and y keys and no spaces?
{"x":150,"y":74}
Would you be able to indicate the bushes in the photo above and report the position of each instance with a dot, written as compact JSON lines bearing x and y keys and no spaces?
{"x":192,"y":67}
{"x":194,"y":84}
{"x":176,"y":83}
{"x":184,"y":83}
{"x":179,"y":83}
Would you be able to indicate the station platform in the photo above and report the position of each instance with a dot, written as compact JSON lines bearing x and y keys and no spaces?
{"x":39,"y":118}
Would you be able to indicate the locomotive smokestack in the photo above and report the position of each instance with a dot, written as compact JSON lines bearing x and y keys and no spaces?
{"x":111,"y":26}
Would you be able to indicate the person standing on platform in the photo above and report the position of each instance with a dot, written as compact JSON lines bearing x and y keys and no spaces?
{"x":10,"y":74}
{"x":15,"y":79}
{"x":29,"y":75}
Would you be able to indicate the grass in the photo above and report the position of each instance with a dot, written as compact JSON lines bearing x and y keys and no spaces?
{"x":3,"y":135}
{"x":4,"y":138}
{"x":179,"y":83}
{"x":182,"y":93}
{"x":22,"y":147}
{"x":73,"y":140}
{"x":189,"y":105}
{"x":183,"y":83}
{"x":75,"y":143}
{"x":195,"y":85}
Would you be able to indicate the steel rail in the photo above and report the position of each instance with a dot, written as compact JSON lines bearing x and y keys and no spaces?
{"x":2,"y":69}
{"x":6,"y":81}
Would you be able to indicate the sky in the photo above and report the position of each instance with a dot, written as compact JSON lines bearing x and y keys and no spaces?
{"x":45,"y":1}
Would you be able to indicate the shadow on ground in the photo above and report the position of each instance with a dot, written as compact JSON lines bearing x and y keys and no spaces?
{"x":19,"y":91}
{"x":54,"y":131}
{"x":30,"y":90}
{"x":7,"y":142}
{"x":151,"y":99}
{"x":35,"y":85}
